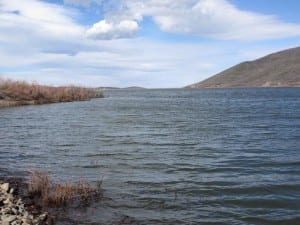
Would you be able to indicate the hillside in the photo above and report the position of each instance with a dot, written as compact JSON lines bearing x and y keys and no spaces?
{"x":280,"y":69}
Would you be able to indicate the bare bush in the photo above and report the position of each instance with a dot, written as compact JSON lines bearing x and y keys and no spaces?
{"x":40,"y":94}
{"x":57,"y":194}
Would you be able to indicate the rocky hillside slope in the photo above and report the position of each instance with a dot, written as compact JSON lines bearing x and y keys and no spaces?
{"x":281,"y":69}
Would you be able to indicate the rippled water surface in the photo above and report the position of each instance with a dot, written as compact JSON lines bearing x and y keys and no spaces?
{"x":170,"y":156}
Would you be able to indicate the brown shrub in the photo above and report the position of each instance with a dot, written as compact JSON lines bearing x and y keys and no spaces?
{"x":39,"y":183}
{"x":56,"y":194}
{"x":25,"y":91}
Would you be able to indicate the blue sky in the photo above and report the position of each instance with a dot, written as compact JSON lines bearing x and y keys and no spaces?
{"x":149,"y":43}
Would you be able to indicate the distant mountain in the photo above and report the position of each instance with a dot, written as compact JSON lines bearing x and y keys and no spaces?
{"x":134,"y":88}
{"x":107,"y":88}
{"x":117,"y":88}
{"x":281,"y":69}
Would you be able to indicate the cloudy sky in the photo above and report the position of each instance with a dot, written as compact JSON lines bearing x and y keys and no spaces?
{"x":149,"y":43}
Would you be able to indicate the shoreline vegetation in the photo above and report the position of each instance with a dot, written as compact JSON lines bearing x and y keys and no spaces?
{"x":18,"y":93}
{"x":38,"y":200}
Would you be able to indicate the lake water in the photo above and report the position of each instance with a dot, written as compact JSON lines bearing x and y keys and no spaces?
{"x":226,"y":156}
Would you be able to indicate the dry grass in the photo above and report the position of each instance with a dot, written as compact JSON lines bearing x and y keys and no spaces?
{"x":56,"y":194}
{"x":40,"y":94}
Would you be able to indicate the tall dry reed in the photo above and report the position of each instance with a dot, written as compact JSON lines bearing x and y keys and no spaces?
{"x":59,"y":194}
{"x":25,"y":91}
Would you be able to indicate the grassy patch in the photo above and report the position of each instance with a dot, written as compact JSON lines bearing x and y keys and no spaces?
{"x":60,"y":194}
{"x":22,"y":91}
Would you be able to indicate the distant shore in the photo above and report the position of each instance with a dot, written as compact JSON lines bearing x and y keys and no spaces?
{"x":11,"y":103}
{"x":19,"y":93}
{"x":14,"y":103}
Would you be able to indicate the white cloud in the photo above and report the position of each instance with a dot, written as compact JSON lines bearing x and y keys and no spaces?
{"x":105,"y":30}
{"x":43,"y":19}
{"x":84,"y":3}
{"x":41,"y":41}
{"x":217,"y":19}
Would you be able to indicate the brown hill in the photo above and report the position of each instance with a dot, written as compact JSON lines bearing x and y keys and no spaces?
{"x":280,"y":69}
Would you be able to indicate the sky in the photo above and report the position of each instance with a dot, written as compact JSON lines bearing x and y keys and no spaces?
{"x":148,"y":43}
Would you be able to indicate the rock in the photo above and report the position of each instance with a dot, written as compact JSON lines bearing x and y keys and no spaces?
{"x":26,"y":214}
{"x":6,"y":201}
{"x":8,"y":218}
{"x":5,"y":187}
{"x":19,"y":202}
{"x":43,"y":216}
{"x":26,"y":221}
{"x":14,"y":212}
{"x":15,"y":223}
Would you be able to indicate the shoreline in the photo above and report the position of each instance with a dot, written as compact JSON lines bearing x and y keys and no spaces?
{"x":38,"y":200}
{"x":239,"y":87}
{"x":19,"y":205}
{"x":20,"y":93}
{"x":16,"y":103}
{"x":16,"y":207}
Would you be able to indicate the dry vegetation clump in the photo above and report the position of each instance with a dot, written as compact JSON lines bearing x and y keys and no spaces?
{"x":40,"y":94}
{"x":56,"y":194}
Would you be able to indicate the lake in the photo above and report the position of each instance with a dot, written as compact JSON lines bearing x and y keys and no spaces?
{"x":223,"y":156}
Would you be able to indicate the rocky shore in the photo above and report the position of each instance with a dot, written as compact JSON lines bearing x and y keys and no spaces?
{"x":13,"y":211}
{"x":34,"y":198}
{"x":18,"y":206}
